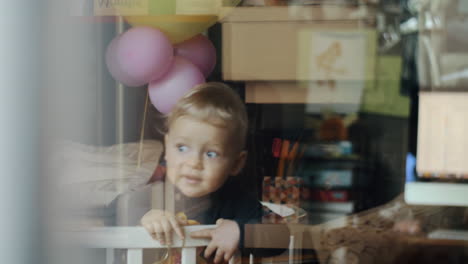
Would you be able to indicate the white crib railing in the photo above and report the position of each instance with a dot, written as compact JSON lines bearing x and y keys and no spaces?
{"x":135,"y":239}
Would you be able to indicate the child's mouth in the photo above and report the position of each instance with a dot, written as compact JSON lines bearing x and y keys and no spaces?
{"x":192,"y":179}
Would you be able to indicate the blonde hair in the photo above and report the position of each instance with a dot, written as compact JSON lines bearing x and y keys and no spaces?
{"x":215,"y":103}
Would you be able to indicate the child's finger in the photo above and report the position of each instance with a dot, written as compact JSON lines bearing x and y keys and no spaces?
{"x":160,"y":238}
{"x":158,"y":232}
{"x":228,"y":255}
{"x":167,"y":229}
{"x":204,"y":233}
{"x":149,"y":229}
{"x":210,"y":249}
{"x":219,"y":256}
{"x":156,"y":227}
{"x":179,"y":231}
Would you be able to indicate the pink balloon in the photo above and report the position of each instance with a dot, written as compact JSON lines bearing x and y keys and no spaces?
{"x":200,"y":51}
{"x":139,"y":55}
{"x":180,"y":78}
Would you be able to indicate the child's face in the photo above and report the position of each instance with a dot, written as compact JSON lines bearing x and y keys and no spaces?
{"x":200,"y":156}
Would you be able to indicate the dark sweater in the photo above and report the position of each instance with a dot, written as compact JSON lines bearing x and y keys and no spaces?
{"x":229,"y":202}
{"x":233,"y":203}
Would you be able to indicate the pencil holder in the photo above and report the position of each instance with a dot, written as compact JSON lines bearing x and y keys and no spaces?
{"x":282,"y":191}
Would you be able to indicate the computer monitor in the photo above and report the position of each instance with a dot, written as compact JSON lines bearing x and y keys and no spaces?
{"x":442,"y":138}
{"x":442,"y":152}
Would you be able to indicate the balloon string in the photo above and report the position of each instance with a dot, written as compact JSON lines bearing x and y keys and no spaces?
{"x":142,"y":132}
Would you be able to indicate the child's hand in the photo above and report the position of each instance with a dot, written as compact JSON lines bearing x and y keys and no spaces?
{"x":160,"y":224}
{"x":224,"y":240}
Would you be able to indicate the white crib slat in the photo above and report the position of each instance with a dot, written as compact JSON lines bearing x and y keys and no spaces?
{"x":109,"y":256}
{"x":189,"y":255}
{"x":291,"y":250}
{"x":135,"y":256}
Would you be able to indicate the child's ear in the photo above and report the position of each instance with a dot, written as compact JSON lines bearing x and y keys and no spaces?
{"x":239,"y":163}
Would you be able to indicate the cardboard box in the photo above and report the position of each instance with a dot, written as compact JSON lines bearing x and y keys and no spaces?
{"x":310,"y":43}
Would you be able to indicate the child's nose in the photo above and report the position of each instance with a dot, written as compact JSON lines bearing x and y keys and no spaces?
{"x":195,"y":161}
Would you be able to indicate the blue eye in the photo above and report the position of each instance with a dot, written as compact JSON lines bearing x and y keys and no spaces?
{"x":211,"y":154}
{"x":182,"y":148}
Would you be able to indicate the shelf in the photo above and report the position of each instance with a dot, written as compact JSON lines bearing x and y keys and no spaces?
{"x":347,"y":92}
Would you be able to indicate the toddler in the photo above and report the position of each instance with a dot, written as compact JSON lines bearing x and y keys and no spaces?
{"x":206,"y":133}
